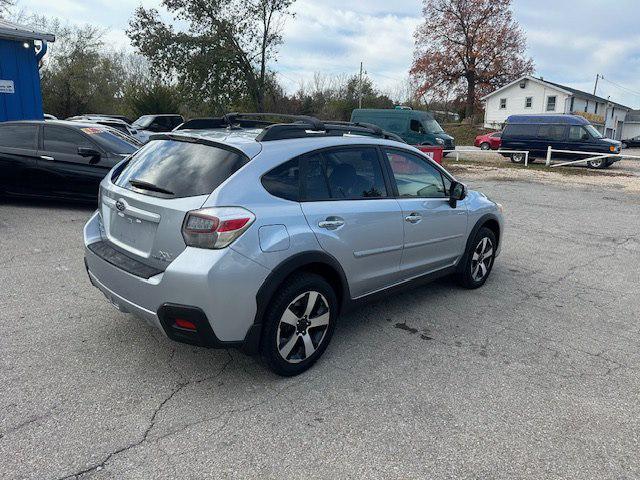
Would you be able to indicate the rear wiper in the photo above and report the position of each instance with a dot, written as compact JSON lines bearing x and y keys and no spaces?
{"x":149,"y":186}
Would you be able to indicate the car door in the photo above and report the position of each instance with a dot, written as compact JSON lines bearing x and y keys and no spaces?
{"x":434,"y":232}
{"x":18,"y":157}
{"x":348,"y":205}
{"x":579,"y":139}
{"x":66,"y":170}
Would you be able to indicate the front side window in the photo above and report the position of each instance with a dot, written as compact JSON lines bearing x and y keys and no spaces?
{"x":576,"y":132}
{"x":416,"y":126}
{"x":64,"y":140}
{"x":503,"y":103}
{"x":551,"y":103}
{"x":18,"y":136}
{"x":416,"y":177}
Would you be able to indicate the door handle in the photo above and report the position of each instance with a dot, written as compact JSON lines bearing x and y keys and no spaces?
{"x":331,"y":223}
{"x":47,"y":157}
{"x":413,"y":217}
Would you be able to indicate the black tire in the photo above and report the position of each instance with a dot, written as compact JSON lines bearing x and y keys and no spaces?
{"x":468,"y":270}
{"x":485,"y":146}
{"x":531,"y":160}
{"x":280,"y":336}
{"x":599,"y":164}
{"x":518,"y":158}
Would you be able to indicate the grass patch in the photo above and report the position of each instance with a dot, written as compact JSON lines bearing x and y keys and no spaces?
{"x":463,"y":133}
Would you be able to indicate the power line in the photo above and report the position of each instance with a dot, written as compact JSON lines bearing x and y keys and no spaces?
{"x":620,"y":86}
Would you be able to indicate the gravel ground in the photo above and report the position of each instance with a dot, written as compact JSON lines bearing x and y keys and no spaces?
{"x":533,"y":376}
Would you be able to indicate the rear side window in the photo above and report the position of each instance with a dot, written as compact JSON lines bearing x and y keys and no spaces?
{"x":168,"y":168}
{"x":64,"y":140}
{"x":284,"y":180}
{"x":551,"y":132}
{"x":354,"y":173}
{"x":519,"y":130}
{"x":18,"y":136}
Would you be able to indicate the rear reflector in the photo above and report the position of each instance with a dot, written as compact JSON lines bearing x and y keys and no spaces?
{"x":186,"y":324}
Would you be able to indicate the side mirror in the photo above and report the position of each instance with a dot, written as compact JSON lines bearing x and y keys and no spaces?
{"x":458,"y":192}
{"x":585,"y":136}
{"x":92,"y":153}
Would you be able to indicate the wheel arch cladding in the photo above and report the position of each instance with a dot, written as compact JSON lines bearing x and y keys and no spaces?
{"x":488,"y":220}
{"x":319,"y":263}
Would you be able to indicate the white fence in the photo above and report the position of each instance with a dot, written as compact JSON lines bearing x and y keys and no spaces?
{"x":458,"y":152}
{"x":593,"y":156}
{"x":590,"y":155}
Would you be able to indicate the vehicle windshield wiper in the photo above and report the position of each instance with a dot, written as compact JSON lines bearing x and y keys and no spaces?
{"x":149,"y":186}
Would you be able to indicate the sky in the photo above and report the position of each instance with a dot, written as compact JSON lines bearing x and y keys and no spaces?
{"x":570,"y":41}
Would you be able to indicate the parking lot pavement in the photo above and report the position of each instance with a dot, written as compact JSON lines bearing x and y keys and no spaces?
{"x":533,"y":376}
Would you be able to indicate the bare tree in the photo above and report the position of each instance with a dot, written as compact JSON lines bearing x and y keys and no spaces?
{"x":5,"y":7}
{"x":469,"y":47}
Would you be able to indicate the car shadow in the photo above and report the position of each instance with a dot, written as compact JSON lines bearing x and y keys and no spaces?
{"x":48,"y":203}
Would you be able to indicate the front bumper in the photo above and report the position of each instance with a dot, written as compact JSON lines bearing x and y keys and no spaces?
{"x":222,"y":284}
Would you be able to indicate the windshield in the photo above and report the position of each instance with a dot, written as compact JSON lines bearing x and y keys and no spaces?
{"x":431,"y":126}
{"x":593,"y":131}
{"x":111,"y":140}
{"x":144,"y":121}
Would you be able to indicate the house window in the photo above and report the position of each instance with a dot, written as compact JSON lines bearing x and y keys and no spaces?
{"x":613,"y":110}
{"x":528,"y":102}
{"x":551,"y":104}
{"x":503,"y":103}
{"x":586,"y":106}
{"x":596,"y":108}
{"x":571,"y":107}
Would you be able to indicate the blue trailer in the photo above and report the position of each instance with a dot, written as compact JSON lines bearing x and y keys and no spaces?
{"x":21,"y":50}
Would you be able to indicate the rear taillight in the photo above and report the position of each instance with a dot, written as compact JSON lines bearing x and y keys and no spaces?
{"x":215,"y":228}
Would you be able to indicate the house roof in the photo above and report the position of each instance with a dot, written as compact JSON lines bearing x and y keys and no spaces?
{"x":14,"y":31}
{"x":560,"y":87}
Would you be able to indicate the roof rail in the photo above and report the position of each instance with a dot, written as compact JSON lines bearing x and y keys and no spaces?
{"x":302,"y":129}
{"x":313,"y":121}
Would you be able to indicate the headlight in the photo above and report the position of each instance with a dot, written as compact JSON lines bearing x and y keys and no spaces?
{"x":439,"y":141}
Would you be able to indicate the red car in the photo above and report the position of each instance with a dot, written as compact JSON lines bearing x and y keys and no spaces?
{"x":489,"y":141}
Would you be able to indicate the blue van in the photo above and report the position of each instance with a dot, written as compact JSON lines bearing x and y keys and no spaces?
{"x":415,"y":127}
{"x":536,"y":133}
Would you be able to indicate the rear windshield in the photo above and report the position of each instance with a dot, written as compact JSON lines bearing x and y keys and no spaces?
{"x":174,"y":169}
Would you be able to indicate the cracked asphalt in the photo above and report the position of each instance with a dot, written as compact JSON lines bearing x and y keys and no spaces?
{"x":533,"y":376}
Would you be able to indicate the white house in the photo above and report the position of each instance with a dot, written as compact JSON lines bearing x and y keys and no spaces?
{"x":631,"y":125}
{"x":531,"y":95}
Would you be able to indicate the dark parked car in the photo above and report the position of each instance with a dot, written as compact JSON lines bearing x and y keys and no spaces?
{"x":536,"y":133}
{"x":58,"y":158}
{"x":158,"y":123}
{"x":631,"y":142}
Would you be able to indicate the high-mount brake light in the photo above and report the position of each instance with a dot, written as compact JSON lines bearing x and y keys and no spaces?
{"x":216,"y":227}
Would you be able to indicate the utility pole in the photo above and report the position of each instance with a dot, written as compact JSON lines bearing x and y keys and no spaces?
{"x":360,"y":88}
{"x":595,"y":87}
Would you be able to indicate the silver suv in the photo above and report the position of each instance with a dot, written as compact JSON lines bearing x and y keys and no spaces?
{"x":260,"y":237}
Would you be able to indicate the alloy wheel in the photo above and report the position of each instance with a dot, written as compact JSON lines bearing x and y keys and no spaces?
{"x":303,"y":326}
{"x":481,"y":259}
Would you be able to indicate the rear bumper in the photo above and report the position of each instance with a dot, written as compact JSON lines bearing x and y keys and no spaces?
{"x":222,"y":284}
